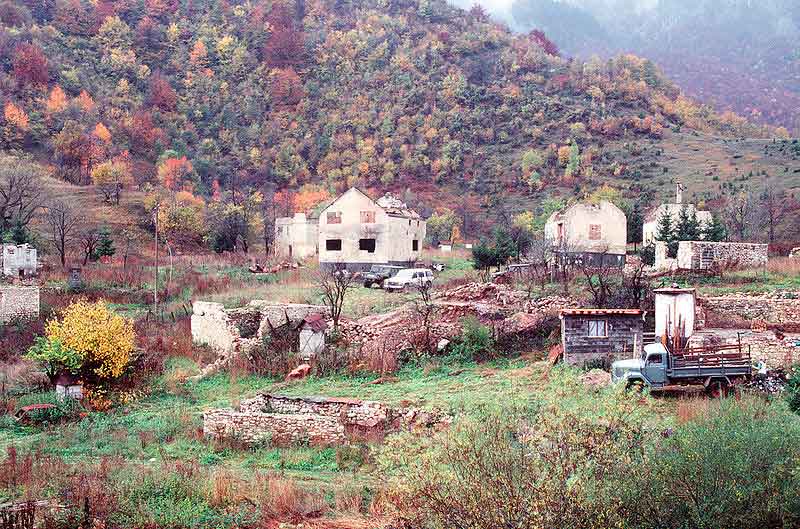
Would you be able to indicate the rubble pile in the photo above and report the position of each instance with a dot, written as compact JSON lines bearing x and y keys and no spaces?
{"x":771,"y":383}
{"x":596,"y":379}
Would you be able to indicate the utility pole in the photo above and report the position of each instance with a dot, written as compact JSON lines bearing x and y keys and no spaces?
{"x":155,"y":281}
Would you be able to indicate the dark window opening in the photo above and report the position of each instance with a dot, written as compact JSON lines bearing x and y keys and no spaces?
{"x":414,"y":245}
{"x":367,"y":245}
{"x":333,"y":245}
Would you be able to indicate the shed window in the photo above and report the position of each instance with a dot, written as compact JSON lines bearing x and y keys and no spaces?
{"x":333,"y":245}
{"x":367,"y":217}
{"x":594,"y":232}
{"x":366,"y":245}
{"x":415,"y":245}
{"x":597,"y":329}
{"x":334,"y":217}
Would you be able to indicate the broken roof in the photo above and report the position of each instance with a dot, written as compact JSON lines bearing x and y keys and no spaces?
{"x":602,"y":312}
{"x":316,"y":322}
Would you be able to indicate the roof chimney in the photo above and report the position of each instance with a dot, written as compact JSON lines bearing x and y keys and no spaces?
{"x":679,"y":193}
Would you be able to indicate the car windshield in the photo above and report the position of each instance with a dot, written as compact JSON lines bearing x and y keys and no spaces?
{"x":404,"y":274}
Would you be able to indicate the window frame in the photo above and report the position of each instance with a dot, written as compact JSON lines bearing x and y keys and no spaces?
{"x":327,"y":249}
{"x":331,"y":215}
{"x":597,"y":321}
{"x":374,"y":245}
{"x":368,"y":217}
{"x":595,"y":228}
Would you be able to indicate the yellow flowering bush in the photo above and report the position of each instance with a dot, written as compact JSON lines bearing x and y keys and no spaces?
{"x":104,"y":339}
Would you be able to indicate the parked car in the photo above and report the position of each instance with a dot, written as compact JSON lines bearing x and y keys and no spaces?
{"x":409,"y":278}
{"x":377,"y":274}
{"x":716,"y":368}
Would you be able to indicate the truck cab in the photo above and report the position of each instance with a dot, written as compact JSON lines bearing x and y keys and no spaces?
{"x":650,"y":369}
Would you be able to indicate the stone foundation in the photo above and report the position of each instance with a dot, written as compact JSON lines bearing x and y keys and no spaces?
{"x":320,"y":421}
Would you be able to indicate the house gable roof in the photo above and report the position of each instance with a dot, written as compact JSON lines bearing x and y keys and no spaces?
{"x":391,"y":205}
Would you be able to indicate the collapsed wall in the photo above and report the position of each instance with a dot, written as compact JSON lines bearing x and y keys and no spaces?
{"x":320,"y":421}
{"x":233,"y":331}
{"x":709,"y":255}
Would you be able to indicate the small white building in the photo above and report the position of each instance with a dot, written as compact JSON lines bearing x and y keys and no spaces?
{"x":357,"y":231}
{"x":675,"y":313}
{"x":296,"y":237}
{"x":650,"y":226}
{"x":589,"y":228}
{"x":19,"y":260}
{"x":312,"y":336}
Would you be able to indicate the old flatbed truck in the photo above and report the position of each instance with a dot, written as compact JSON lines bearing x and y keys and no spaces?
{"x":717,"y":368}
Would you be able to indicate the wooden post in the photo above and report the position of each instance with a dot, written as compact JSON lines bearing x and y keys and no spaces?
{"x":155,"y":282}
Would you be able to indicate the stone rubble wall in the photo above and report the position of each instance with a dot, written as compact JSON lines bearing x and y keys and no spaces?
{"x":18,"y":301}
{"x":320,"y":421}
{"x":773,"y":307}
{"x":727,"y":254}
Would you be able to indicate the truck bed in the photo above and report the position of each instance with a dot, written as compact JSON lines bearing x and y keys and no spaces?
{"x":722,"y":360}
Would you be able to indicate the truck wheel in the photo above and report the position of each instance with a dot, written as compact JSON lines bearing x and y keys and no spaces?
{"x":635,"y":386}
{"x":717,"y":389}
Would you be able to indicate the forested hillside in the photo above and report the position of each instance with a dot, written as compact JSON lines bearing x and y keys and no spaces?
{"x":210,"y":106}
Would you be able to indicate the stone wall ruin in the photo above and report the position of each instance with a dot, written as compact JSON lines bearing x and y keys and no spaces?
{"x":320,"y":421}
{"x":18,"y":302}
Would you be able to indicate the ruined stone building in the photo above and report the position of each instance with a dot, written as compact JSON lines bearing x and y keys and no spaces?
{"x":590,"y":229}
{"x":18,"y":302}
{"x":356,"y":231}
{"x":710,"y":255}
{"x":296,"y":237}
{"x":19,"y":260}
{"x":650,"y":227}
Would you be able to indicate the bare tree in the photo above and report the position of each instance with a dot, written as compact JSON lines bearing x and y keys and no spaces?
{"x":63,"y":221}
{"x":774,"y":205}
{"x":269,"y":213}
{"x":334,"y":283}
{"x":740,"y":214}
{"x":21,"y":191}
{"x":89,"y":239}
{"x":599,"y":273}
{"x":426,"y":314}
{"x":539,"y":258}
{"x":636,"y":287}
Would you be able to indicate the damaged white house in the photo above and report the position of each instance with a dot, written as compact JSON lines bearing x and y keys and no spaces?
{"x":650,"y":226}
{"x":356,"y":231}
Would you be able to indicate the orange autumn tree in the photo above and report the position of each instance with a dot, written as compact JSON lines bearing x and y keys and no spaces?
{"x":102,"y":133}
{"x":309,"y":197}
{"x":15,"y":125}
{"x":56,"y":101}
{"x":175,"y":173}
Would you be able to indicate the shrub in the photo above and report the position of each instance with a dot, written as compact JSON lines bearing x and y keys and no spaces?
{"x":515,"y":468}
{"x":475,"y":343}
{"x":733,"y":466}
{"x":102,"y":338}
{"x":792,"y":391}
{"x":54,"y":357}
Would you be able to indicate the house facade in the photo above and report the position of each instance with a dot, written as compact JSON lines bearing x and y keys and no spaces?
{"x":296,"y":237}
{"x":356,"y":231}
{"x":601,"y":336}
{"x":19,"y":260}
{"x":650,"y":226}
{"x":586,"y":228}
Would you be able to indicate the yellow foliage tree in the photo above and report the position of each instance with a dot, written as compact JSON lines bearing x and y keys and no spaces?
{"x":111,"y":177}
{"x":104,"y":339}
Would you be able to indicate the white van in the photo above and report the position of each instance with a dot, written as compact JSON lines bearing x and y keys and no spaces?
{"x":409,"y":278}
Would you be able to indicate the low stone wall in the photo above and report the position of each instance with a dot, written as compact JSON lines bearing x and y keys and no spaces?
{"x":321,"y":421}
{"x":18,"y":301}
{"x":774,"y":307}
{"x":704,"y":255}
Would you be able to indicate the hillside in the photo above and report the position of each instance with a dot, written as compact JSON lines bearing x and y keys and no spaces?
{"x":733,"y":54}
{"x":207,"y":101}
